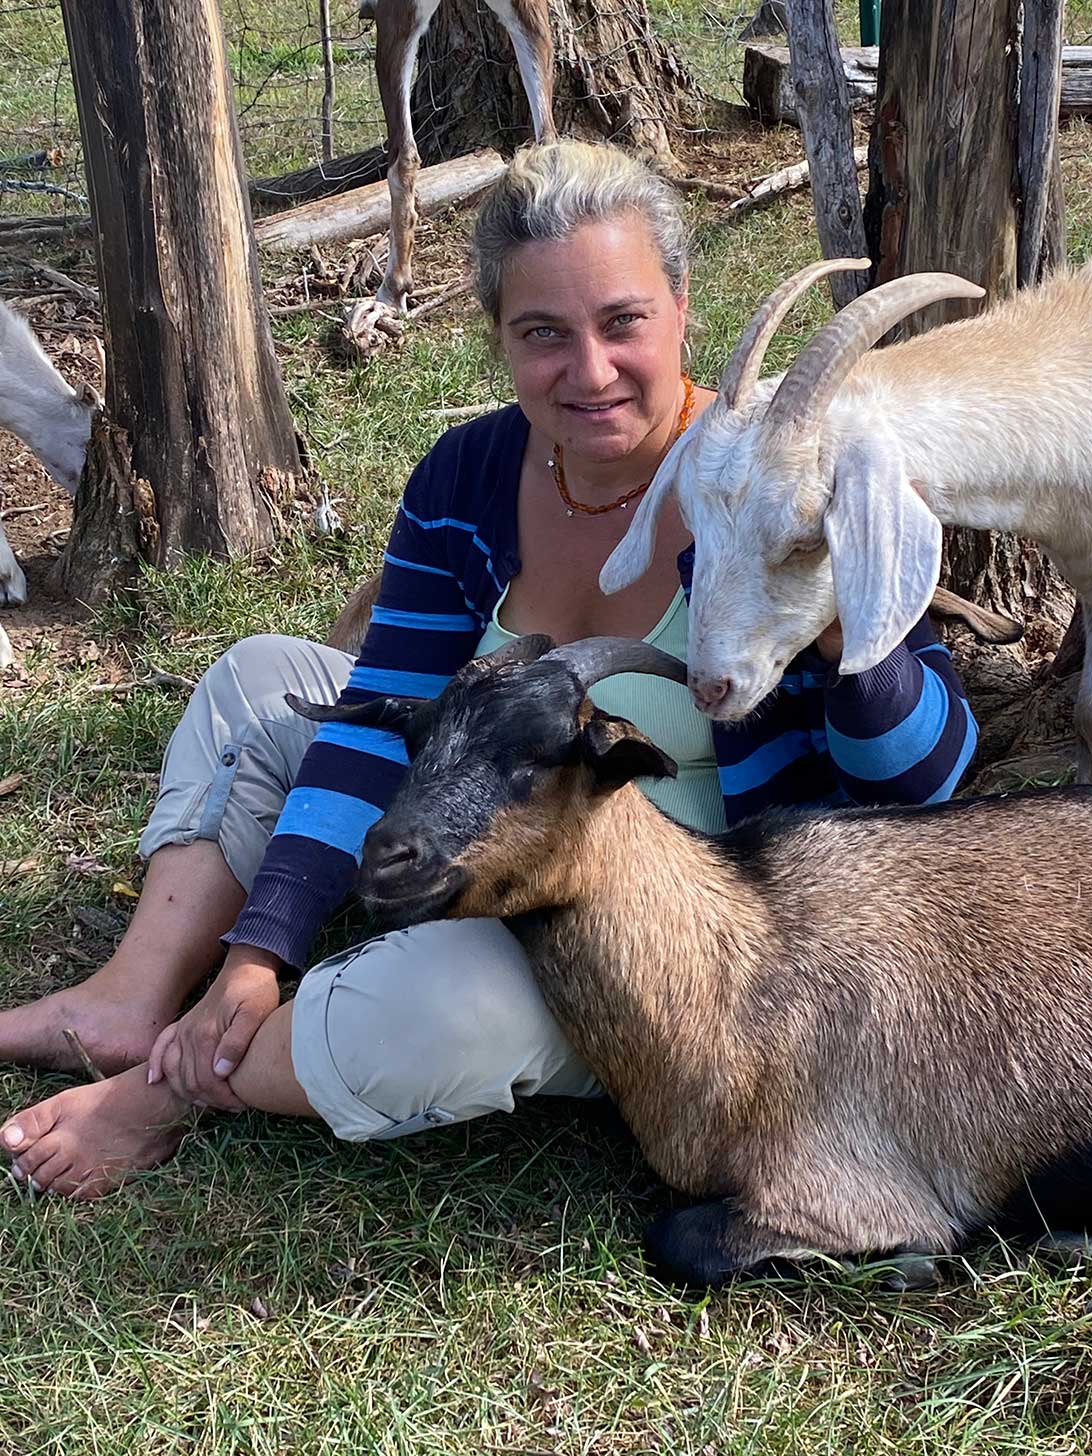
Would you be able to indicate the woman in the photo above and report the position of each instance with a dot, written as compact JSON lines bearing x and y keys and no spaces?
{"x":581,"y":265}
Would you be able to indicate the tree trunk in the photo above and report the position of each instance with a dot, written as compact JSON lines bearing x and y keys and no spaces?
{"x":613,"y":78}
{"x":945,"y":194}
{"x":193,"y":385}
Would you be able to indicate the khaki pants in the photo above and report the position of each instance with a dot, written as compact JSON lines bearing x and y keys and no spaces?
{"x":410,"y":1030}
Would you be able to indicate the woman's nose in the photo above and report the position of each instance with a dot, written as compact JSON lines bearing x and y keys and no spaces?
{"x":592,"y":368}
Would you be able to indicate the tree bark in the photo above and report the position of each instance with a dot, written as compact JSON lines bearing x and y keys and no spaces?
{"x":193,"y":383}
{"x":945,"y":194}
{"x":613,"y":78}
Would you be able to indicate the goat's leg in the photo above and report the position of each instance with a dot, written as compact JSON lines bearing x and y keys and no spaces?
{"x":7,"y":653}
{"x":709,"y":1244}
{"x":13,"y":584}
{"x":528,"y":24}
{"x":1082,"y":708}
{"x":399,"y":26}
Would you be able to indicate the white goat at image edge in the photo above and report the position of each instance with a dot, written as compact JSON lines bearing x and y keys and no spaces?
{"x":40,"y":407}
{"x":828,"y":498}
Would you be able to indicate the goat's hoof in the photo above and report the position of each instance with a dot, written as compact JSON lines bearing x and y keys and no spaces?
{"x":1071,"y":1249}
{"x":911,"y":1271}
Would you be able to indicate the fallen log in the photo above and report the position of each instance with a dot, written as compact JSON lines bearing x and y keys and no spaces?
{"x":324,"y":179}
{"x":770,"y":94}
{"x":367,"y":210}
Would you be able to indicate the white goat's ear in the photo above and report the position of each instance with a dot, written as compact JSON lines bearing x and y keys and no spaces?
{"x":632,"y":557}
{"x":885,"y":546}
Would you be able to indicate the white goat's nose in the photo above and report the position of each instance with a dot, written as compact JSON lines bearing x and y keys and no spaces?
{"x":709,"y":692}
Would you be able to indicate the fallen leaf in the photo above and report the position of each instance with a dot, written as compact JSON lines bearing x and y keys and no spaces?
{"x":10,"y":784}
{"x":85,"y":864}
{"x":703,"y":1323}
{"x":258,"y":1308}
{"x":123,"y":887}
{"x":640,"y":1339}
{"x":10,"y":867}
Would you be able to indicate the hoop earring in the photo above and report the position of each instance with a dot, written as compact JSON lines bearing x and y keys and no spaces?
{"x":688,"y":355}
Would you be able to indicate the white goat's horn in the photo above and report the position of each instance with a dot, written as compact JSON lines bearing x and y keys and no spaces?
{"x":738,"y":381}
{"x":809,"y":386}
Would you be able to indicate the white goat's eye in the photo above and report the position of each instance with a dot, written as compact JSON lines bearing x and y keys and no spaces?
{"x":800,"y":552}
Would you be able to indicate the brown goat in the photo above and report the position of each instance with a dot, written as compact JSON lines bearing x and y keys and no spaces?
{"x":858,"y":1031}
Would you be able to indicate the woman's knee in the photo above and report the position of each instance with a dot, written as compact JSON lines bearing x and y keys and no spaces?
{"x":256,"y":672}
{"x":436,"y":1024}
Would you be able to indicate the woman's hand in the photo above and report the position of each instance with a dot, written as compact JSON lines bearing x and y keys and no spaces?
{"x":198,"y":1053}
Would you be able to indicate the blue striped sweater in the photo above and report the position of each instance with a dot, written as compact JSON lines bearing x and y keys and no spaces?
{"x":900,"y":733}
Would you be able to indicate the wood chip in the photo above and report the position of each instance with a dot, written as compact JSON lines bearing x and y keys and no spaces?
{"x":10,"y":784}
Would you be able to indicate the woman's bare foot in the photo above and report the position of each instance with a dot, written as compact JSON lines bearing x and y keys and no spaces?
{"x":88,"y":1140}
{"x":116,"y":1019}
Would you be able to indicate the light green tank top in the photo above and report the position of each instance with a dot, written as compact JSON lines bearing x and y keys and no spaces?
{"x":664,"y":712}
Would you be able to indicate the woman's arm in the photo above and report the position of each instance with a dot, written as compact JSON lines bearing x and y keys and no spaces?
{"x":903,"y":732}
{"x":421,"y":632}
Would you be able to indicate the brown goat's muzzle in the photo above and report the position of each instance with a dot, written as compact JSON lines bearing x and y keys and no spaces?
{"x":404,"y":878}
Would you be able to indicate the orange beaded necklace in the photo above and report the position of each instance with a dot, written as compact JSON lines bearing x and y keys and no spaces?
{"x":557,"y":465}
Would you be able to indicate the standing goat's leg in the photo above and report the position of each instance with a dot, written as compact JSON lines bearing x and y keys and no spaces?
{"x":7,"y":654}
{"x":528,"y":24}
{"x":399,"y":26}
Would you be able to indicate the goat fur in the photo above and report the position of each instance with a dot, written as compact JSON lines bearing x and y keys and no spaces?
{"x":815,"y":1020}
{"x":42,"y":409}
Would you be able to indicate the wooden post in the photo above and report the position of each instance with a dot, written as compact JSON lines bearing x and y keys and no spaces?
{"x":1042,"y":233}
{"x":952,"y":151}
{"x":205,"y":439}
{"x":327,"y":81}
{"x":823,"y":111}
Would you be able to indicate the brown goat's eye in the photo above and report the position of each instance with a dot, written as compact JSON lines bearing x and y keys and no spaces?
{"x":523,"y":781}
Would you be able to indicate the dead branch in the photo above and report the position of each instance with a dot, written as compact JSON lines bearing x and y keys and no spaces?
{"x":61,"y":280}
{"x":71,"y":1036}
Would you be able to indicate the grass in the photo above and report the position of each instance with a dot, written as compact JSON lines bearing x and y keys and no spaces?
{"x":479,"y":1289}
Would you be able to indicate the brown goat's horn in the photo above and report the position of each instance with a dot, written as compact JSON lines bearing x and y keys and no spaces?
{"x":738,"y":381}
{"x":528,"y":648}
{"x":595,"y":658}
{"x":805,"y":393}
{"x":377,"y":713}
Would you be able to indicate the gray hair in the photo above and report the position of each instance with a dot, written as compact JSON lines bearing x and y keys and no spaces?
{"x":552,"y":188}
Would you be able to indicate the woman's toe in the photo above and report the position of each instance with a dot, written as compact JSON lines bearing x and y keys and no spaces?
{"x":51,"y":1171}
{"x":21,"y":1132}
{"x":41,"y":1151}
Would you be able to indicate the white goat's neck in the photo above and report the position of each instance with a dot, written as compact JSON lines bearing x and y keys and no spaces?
{"x":990,"y":412}
{"x":644,"y":967}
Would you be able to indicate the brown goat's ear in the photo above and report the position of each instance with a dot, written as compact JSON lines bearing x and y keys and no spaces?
{"x":392,"y":714}
{"x":618,"y":752}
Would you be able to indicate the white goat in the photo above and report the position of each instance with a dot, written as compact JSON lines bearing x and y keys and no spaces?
{"x":39,"y":406}
{"x":828,"y":499}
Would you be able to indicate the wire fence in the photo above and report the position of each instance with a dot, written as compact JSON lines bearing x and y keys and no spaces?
{"x":276,"y":54}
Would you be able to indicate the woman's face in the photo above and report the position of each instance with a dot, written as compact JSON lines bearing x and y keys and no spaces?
{"x":593,"y":335}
